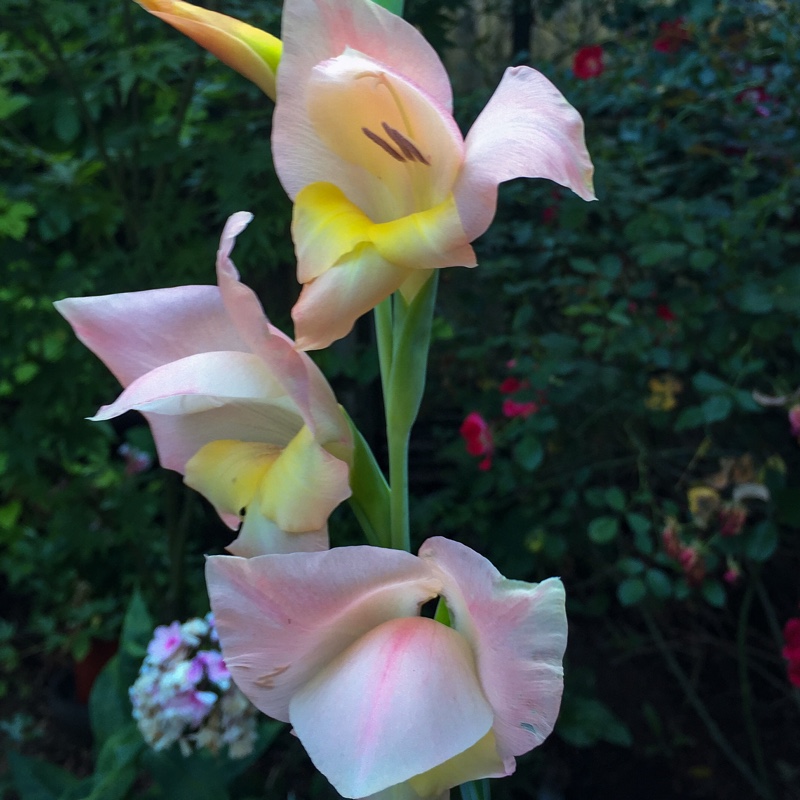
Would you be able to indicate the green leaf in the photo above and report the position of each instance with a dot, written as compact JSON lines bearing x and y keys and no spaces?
{"x":584,"y":265}
{"x":199,"y":776}
{"x":116,"y":768}
{"x":713,"y":593}
{"x":631,"y":566}
{"x":692,"y":417}
{"x":787,"y":506}
{"x":370,"y":498}
{"x":717,"y":407}
{"x":584,"y":721}
{"x":39,"y":780}
{"x":702,"y":260}
{"x":754,"y":298}
{"x":615,"y":498}
{"x":762,"y":541}
{"x":638,"y":523}
{"x":706,"y":383}
{"x":659,"y":583}
{"x":654,"y":253}
{"x":529,"y":453}
{"x":406,"y":383}
{"x":631,"y":591}
{"x":603,"y":529}
{"x":109,"y":705}
{"x":476,"y":790}
{"x":395,"y":6}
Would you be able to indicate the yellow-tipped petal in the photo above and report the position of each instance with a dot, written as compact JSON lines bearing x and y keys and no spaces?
{"x":229,"y":473}
{"x":426,"y":239}
{"x":326,"y":226}
{"x":479,"y":761}
{"x":250,"y":51}
{"x":304,"y":485}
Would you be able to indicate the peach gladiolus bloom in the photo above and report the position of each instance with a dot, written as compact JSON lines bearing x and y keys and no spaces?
{"x":249,"y":421}
{"x":385,"y":186}
{"x":381,"y":697}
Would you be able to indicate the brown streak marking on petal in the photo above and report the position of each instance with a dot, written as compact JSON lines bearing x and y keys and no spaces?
{"x":384,"y":145}
{"x":409,"y":149}
{"x":266,"y":681}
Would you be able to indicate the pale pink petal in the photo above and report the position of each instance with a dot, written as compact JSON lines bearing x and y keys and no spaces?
{"x":300,"y":378}
{"x":179,"y":436}
{"x":329,"y":306}
{"x":210,"y":394}
{"x":282,"y":618}
{"x":135,"y":332}
{"x":260,"y":536}
{"x":518,"y":632}
{"x":401,"y":700}
{"x":527,"y":129}
{"x":314,"y":31}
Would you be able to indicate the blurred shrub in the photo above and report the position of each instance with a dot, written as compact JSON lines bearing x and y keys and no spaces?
{"x":122,"y":156}
{"x":616,"y":352}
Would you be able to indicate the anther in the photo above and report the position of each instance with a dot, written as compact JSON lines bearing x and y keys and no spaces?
{"x":407,"y":147}
{"x":384,"y":145}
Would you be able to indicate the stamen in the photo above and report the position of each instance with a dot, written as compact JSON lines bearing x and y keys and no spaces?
{"x":408,"y":149}
{"x":384,"y":145}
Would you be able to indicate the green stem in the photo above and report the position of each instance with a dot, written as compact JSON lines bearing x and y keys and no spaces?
{"x":383,"y":332}
{"x":700,"y":709}
{"x":398,"y":480}
{"x":745,"y":688}
{"x":404,"y":385}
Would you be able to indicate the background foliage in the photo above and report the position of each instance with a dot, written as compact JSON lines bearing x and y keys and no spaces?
{"x":639,"y":326}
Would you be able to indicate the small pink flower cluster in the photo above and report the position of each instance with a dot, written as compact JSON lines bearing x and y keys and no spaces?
{"x":512,"y":408}
{"x":184,"y":693}
{"x":791,"y":651}
{"x":476,"y":431}
{"x":691,"y":557}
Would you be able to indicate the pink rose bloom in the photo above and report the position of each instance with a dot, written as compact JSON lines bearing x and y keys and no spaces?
{"x":588,"y":62}
{"x":511,"y":409}
{"x":478,"y":438}
{"x":511,"y":385}
{"x":791,"y":636}
{"x":794,"y":420}
{"x":333,"y":643}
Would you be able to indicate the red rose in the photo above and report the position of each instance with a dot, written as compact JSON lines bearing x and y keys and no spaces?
{"x":588,"y":62}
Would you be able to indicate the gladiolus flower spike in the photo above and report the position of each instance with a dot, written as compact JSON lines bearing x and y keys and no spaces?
{"x":249,"y":421}
{"x":391,"y":189}
{"x":381,"y":697}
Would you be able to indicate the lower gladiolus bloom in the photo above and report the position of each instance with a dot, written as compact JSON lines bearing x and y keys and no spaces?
{"x":384,"y":184}
{"x":334,"y":643}
{"x":251,"y":423}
